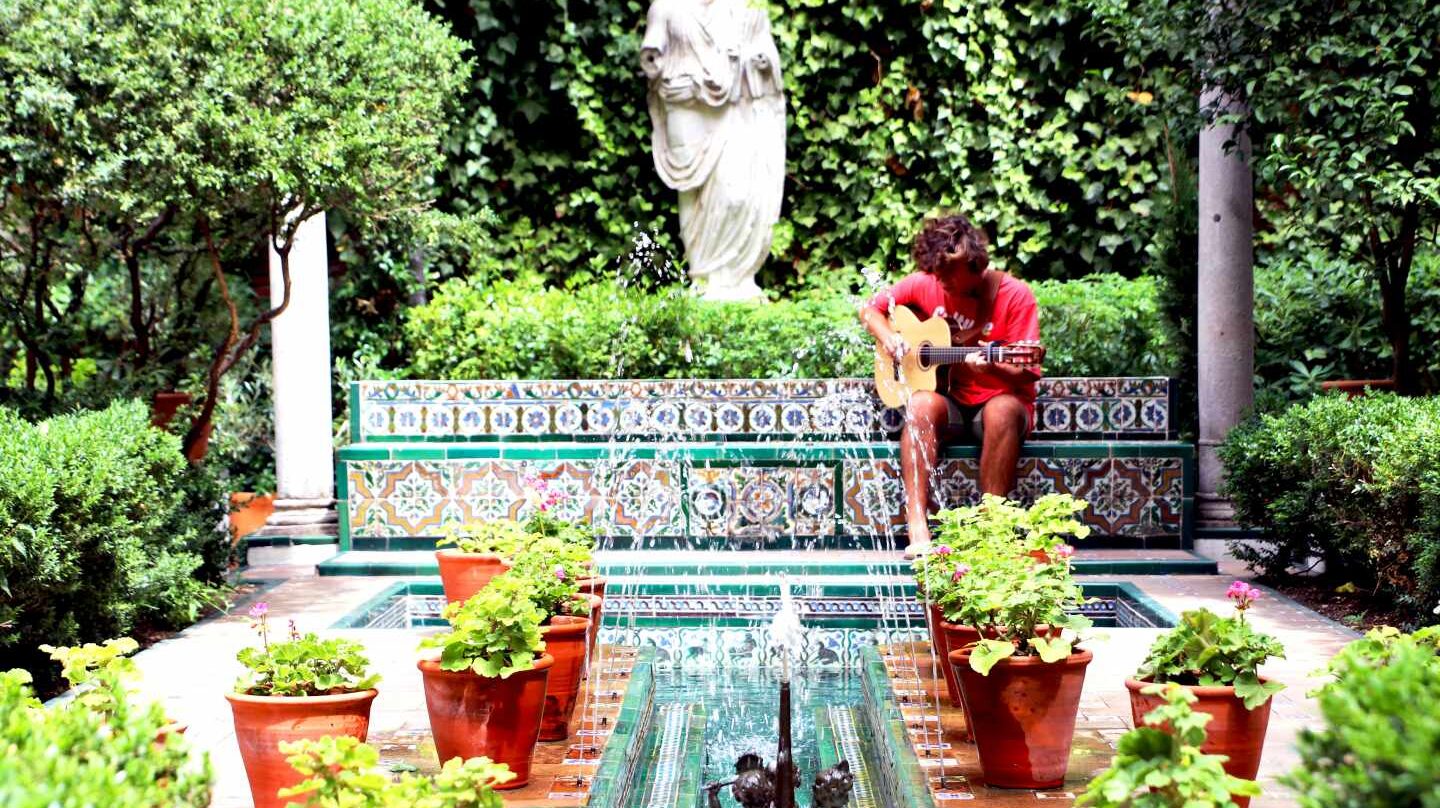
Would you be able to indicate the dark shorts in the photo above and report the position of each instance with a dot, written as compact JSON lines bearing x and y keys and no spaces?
{"x":964,"y":423}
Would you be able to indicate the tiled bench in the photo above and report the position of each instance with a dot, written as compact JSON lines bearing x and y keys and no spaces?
{"x":748,"y":463}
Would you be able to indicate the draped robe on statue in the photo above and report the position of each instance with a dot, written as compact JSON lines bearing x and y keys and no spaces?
{"x":717,"y":104}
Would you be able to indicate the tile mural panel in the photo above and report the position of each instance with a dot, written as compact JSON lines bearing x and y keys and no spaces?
{"x":682,"y":409}
{"x":1128,"y":496}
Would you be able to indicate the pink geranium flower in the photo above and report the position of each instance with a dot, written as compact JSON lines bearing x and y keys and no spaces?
{"x":1065,"y":551}
{"x":960,"y":572}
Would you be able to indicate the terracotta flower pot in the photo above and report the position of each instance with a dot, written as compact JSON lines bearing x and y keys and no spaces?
{"x":953,"y":637}
{"x":592,"y":634}
{"x":593,"y":585}
{"x":464,"y":574}
{"x":1233,"y":731}
{"x":1355,"y":388}
{"x":479,"y":716}
{"x":956,"y":637}
{"x":249,"y":512}
{"x":565,"y":639}
{"x":1024,"y":714}
{"x":262,"y":722}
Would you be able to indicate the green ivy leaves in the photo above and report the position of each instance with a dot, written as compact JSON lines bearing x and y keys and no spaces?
{"x":1004,"y":110}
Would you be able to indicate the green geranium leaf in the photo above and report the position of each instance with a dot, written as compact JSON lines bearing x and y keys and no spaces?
{"x":988,"y":653}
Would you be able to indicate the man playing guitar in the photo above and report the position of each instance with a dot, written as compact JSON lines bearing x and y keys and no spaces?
{"x":990,"y":402}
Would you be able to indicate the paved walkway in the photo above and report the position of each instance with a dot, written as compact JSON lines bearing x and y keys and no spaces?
{"x":191,"y":672}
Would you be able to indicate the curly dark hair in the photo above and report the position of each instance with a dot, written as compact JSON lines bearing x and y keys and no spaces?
{"x":951,"y":234}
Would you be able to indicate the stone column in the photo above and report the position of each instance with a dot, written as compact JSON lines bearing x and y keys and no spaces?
{"x":300,"y":345}
{"x":1226,"y":316}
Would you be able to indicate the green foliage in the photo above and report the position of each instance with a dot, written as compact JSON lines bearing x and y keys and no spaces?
{"x":1341,"y":102}
{"x":148,"y":147}
{"x":304,"y":665}
{"x":1003,"y":110}
{"x":1380,"y":739}
{"x":502,"y":537}
{"x":1000,"y":585}
{"x":1353,"y":482}
{"x":1316,"y":319}
{"x":522,"y":329}
{"x":102,"y":524}
{"x":1377,"y":648}
{"x":1104,"y":325}
{"x":82,"y":666}
{"x":110,"y":758}
{"x":495,"y":633}
{"x":1160,"y":765}
{"x":1209,"y":650}
{"x":551,"y":568}
{"x":342,"y":773}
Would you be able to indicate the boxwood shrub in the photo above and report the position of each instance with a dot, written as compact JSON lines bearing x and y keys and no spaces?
{"x":522,"y":329}
{"x":102,"y":524}
{"x":1355,"y":482}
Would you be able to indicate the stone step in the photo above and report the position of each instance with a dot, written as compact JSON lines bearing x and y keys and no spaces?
{"x":662,"y":564}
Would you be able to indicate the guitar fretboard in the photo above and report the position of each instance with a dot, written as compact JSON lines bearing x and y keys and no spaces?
{"x":932,"y":355}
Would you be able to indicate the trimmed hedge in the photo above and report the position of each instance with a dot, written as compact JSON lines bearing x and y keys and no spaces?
{"x":102,"y":524}
{"x":1353,"y":482}
{"x":1100,"y":325}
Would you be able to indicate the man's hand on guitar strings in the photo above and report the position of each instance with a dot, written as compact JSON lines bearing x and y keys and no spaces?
{"x":897,"y":346}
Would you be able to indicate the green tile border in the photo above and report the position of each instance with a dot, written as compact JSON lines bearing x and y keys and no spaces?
{"x":910,"y":786}
{"x":253,"y":541}
{"x":342,"y":502}
{"x":611,"y":783}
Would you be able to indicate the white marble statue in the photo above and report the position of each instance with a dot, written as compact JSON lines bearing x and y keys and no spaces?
{"x":717,"y":103}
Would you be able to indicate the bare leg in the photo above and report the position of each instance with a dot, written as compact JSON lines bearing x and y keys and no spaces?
{"x":1006,"y":421}
{"x":925,"y":416}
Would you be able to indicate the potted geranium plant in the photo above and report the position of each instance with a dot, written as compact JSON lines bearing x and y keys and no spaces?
{"x":485,"y":692}
{"x":1217,"y":659}
{"x":341,"y":773}
{"x":546,"y":520}
{"x":1021,"y":680}
{"x":304,"y":687}
{"x":472,"y":554}
{"x":1163,"y":763}
{"x":551,"y":569}
{"x":995,"y":526}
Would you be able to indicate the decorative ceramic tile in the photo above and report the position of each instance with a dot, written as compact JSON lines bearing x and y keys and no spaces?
{"x":688,"y":409}
{"x":1128,"y":496}
{"x":427,"y":497}
{"x":748,"y":502}
{"x":878,"y":606}
{"x":711,"y":647}
{"x":640,"y":498}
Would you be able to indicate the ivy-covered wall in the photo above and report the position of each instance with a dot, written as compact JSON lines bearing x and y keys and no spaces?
{"x":1005,"y":110}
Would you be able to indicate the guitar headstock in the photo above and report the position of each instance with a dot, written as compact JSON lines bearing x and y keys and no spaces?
{"x":1026,"y":352}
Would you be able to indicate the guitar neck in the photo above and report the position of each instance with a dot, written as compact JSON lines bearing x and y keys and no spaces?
{"x":932,"y":355}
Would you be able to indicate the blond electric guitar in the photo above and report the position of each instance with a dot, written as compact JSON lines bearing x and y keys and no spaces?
{"x":930,"y":351}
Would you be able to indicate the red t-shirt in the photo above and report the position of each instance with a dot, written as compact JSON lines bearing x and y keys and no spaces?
{"x":1015,"y":317}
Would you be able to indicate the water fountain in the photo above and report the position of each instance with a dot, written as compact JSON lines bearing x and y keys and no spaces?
{"x":755,"y":785}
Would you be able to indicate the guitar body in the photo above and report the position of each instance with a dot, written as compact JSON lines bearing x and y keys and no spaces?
{"x":895,"y":383}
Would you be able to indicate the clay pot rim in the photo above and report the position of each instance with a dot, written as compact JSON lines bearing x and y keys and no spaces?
{"x":568,"y":625}
{"x":457,"y":554}
{"x":333,"y":698}
{"x":431,"y":666}
{"x":1136,"y":685}
{"x":1077,"y":656}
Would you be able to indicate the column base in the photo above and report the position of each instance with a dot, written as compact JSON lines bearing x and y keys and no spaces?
{"x":1212,"y":511}
{"x":302,"y":517}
